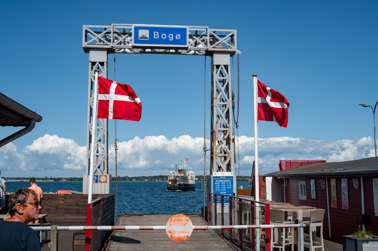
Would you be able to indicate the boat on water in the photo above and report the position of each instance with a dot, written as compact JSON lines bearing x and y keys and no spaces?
{"x":181,"y":180}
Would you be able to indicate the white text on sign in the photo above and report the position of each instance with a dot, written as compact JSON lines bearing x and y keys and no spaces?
{"x":164,"y":36}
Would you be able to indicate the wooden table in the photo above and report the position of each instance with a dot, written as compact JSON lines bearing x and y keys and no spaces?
{"x":298,"y":210}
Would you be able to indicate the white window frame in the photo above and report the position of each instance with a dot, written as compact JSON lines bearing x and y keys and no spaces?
{"x":375,"y":194}
{"x":302,"y":190}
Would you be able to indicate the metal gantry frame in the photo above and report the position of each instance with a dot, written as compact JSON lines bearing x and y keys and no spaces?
{"x":221,"y":44}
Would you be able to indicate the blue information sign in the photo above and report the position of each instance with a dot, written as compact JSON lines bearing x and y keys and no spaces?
{"x":171,"y":36}
{"x":95,"y":178}
{"x":223,"y":185}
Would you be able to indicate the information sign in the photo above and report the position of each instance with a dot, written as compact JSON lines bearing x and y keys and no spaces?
{"x":223,"y":185}
{"x":95,"y":178}
{"x":158,"y":35}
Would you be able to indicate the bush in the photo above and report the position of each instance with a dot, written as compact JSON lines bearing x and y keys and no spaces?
{"x":362,"y":234}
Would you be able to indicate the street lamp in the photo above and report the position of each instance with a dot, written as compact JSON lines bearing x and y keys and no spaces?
{"x":375,"y":140}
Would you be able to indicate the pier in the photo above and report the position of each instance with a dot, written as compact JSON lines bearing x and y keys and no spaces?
{"x":158,"y":239}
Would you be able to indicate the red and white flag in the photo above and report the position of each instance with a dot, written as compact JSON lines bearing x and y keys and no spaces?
{"x":272,"y":105}
{"x":117,"y":101}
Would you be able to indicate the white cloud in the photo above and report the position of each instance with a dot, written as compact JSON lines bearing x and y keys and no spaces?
{"x":49,"y":155}
{"x":54,"y":156}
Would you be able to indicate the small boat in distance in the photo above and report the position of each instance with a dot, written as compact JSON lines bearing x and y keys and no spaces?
{"x":181,"y":180}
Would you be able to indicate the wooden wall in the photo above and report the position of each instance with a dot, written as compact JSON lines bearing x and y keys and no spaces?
{"x":342,"y":221}
{"x":70,"y":210}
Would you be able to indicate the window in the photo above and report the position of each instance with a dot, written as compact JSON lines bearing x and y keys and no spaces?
{"x":313,"y":189}
{"x":302,"y":190}
{"x":375,"y":193}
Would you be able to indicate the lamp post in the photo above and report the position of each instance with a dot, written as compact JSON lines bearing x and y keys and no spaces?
{"x":375,"y":140}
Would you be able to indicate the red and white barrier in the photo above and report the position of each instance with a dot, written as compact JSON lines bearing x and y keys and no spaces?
{"x":107,"y":228}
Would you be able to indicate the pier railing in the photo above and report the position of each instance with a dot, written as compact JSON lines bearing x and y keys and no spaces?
{"x":233,"y":211}
{"x":97,"y":216}
{"x":56,"y":229}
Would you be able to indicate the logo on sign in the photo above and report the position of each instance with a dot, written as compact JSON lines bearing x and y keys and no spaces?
{"x":103,"y":178}
{"x":144,"y":34}
{"x":95,"y":178}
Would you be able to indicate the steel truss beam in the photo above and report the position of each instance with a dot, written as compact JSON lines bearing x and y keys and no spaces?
{"x":118,"y":38}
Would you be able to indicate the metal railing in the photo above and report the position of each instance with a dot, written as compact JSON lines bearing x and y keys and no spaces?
{"x":55,"y":229}
{"x":229,"y":210}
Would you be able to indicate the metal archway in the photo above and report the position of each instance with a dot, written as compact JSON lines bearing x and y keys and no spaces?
{"x":100,"y":40}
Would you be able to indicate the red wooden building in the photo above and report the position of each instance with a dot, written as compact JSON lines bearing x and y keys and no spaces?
{"x":348,"y":191}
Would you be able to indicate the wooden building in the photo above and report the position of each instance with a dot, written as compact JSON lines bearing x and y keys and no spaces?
{"x":348,"y":191}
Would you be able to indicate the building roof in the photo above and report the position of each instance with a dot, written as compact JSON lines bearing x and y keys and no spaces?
{"x":361,"y":166}
{"x":15,"y":114}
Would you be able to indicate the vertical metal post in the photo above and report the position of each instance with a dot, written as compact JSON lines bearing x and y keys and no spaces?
{"x":251,"y":216}
{"x":54,"y":238}
{"x":215,"y":209}
{"x":222,"y":213}
{"x":88,"y":233}
{"x":301,"y":236}
{"x":230,"y":216}
{"x":221,"y":137}
{"x":240,"y":223}
{"x":209,"y":206}
{"x":98,"y":60}
{"x":267,"y":230}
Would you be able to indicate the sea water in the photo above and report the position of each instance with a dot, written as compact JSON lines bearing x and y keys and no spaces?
{"x":138,"y":197}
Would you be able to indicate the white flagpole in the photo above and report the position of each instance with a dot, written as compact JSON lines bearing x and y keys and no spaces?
{"x":257,"y":187}
{"x":94,"y":119}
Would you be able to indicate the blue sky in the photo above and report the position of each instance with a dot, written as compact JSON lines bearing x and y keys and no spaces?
{"x":322,"y":55}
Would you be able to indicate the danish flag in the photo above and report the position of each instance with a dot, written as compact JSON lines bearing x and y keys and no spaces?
{"x":117,"y":101}
{"x":272,"y":105}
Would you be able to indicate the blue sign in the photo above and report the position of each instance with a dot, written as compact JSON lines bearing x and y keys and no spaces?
{"x":223,"y":185}
{"x":166,"y":36}
{"x":95,"y":178}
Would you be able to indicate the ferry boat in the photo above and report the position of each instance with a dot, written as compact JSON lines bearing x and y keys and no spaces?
{"x":181,"y":180}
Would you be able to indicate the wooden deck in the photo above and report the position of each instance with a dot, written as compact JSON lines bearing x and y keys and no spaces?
{"x":158,"y":239}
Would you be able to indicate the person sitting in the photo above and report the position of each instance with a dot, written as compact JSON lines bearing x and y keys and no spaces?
{"x":15,"y":234}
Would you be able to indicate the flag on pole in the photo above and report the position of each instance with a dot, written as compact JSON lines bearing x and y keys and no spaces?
{"x":117,"y":101}
{"x":272,"y":105}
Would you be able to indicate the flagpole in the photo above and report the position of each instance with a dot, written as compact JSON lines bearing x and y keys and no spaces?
{"x":257,"y":187}
{"x":255,"y":111}
{"x":94,"y":118}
